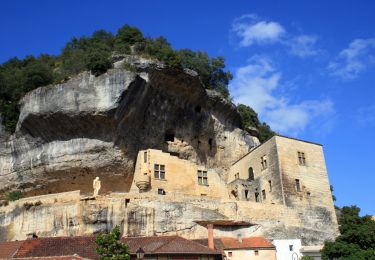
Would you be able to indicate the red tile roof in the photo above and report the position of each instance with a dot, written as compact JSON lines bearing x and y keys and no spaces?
{"x":168,"y":245}
{"x":8,"y":249}
{"x":67,"y":257}
{"x":234,"y":243}
{"x":57,"y":247}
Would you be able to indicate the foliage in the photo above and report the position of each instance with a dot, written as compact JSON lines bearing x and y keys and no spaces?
{"x":94,"y":53}
{"x":110,"y":247}
{"x":357,"y":239}
{"x":249,"y":118}
{"x":333,"y":196}
{"x":13,"y":195}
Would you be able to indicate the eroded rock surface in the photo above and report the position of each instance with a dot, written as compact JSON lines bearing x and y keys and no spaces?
{"x":69,"y":133}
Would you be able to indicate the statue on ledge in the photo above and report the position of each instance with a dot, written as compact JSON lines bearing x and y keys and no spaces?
{"x":96,"y":185}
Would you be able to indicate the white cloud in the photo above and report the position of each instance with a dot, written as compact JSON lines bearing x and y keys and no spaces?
{"x":250,"y":29}
{"x":366,"y":116}
{"x":303,"y":45}
{"x":256,"y":85}
{"x":353,"y":60}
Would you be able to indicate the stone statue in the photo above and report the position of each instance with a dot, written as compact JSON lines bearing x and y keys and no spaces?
{"x":96,"y":185}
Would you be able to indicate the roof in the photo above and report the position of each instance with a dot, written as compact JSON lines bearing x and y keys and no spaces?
{"x":67,"y":257}
{"x":58,"y":246}
{"x":224,"y":243}
{"x":223,"y":223}
{"x":168,"y":245}
{"x":84,"y":247}
{"x":8,"y":249}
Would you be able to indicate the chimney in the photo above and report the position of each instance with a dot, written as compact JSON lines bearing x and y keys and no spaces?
{"x":210,"y":229}
{"x":239,"y":238}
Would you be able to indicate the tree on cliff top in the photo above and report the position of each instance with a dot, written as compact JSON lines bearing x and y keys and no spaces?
{"x":357,"y":239}
{"x":110,"y":247}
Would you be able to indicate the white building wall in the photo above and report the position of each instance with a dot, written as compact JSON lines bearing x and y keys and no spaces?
{"x":283,"y":251}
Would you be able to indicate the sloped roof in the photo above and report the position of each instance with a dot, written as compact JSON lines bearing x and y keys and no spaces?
{"x":167,"y":245}
{"x":234,"y":243}
{"x":8,"y":249}
{"x":84,"y":247}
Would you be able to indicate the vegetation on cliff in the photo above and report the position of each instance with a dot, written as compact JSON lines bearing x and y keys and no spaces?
{"x":94,"y":53}
{"x":357,"y":239}
{"x":249,"y":118}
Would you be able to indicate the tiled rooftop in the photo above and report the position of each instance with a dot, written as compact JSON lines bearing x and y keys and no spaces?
{"x":234,"y":243}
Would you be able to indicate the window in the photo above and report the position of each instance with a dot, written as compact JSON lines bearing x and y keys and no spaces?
{"x":251,"y":174}
{"x":256,"y":196}
{"x":264,"y":194}
{"x":202,"y":178}
{"x":230,"y":254}
{"x":145,"y":157}
{"x":298,"y":185}
{"x":308,"y":193}
{"x":237,"y":175}
{"x":161,"y":192}
{"x":270,"y":185}
{"x":127,"y":201}
{"x":210,"y":143}
{"x":256,"y":252}
{"x":290,"y":247}
{"x":159,"y":171}
{"x":246,"y":193}
{"x":301,"y":158}
{"x":169,"y":136}
{"x":264,"y":162}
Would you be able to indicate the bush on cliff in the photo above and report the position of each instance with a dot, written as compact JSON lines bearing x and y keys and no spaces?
{"x":17,"y":77}
{"x":249,"y":118}
{"x":357,"y":239}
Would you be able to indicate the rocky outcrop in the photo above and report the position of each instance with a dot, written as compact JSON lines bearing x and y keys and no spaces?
{"x":94,"y":126}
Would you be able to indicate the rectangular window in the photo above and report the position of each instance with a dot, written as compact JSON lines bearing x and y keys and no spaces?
{"x":159,"y":171}
{"x":290,"y":247}
{"x":161,"y":191}
{"x":256,"y":252}
{"x":298,"y":185}
{"x":270,"y":185}
{"x":230,"y":254}
{"x":264,"y":194}
{"x":301,"y":158}
{"x":202,"y":178}
{"x":246,"y":193}
{"x":237,"y":175}
{"x":145,"y":157}
{"x":264,"y":162}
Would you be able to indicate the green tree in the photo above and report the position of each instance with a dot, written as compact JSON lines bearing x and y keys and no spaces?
{"x":98,"y":61}
{"x":126,"y":37}
{"x":249,"y":118}
{"x":13,"y":195}
{"x":357,"y":239}
{"x":110,"y":247}
{"x":306,"y":257}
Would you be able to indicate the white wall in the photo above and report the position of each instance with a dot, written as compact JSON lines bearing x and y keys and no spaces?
{"x":283,"y":251}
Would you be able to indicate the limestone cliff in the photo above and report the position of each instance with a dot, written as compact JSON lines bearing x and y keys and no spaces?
{"x":94,"y":126}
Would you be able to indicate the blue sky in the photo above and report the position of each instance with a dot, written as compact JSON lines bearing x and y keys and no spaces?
{"x":307,"y":67}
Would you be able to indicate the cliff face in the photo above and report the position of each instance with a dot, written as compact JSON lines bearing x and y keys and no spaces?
{"x":94,"y":126}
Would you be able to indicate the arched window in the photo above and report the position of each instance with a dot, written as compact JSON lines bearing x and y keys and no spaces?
{"x":251,"y":174}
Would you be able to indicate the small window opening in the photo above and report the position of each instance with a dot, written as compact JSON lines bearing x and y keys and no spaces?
{"x":198,"y":109}
{"x":145,"y":157}
{"x":263,"y":162}
{"x":234,"y":193}
{"x":308,"y":193}
{"x":264,"y":194}
{"x":301,"y":158}
{"x":127,"y":201}
{"x":298,"y":185}
{"x":257,"y":197}
{"x":169,"y":136}
{"x":246,"y":193}
{"x":256,"y":252}
{"x":237,"y":176}
{"x":161,"y":192}
{"x":210,"y":143}
{"x":251,"y":174}
{"x":203,"y":194}
{"x":270,"y":185}
{"x":290,"y":247}
{"x":230,"y":254}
